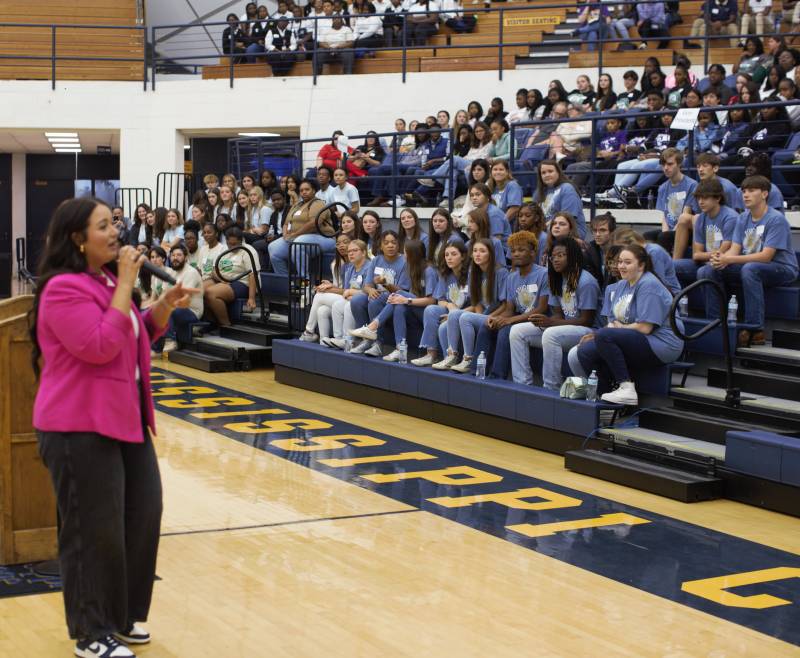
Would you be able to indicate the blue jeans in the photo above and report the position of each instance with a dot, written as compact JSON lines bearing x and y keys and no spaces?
{"x":641,"y":181}
{"x":441,"y":175}
{"x":592,"y":33}
{"x":387,"y":187}
{"x":402,"y":315}
{"x":754,"y":277}
{"x":686,"y":270}
{"x":469,"y":324}
{"x":495,"y":345}
{"x":179,"y":329}
{"x":453,"y":331}
{"x":556,"y":341}
{"x":610,"y":353}
{"x":431,"y":327}
{"x":279,"y":250}
{"x":522,"y":337}
{"x":252,"y":50}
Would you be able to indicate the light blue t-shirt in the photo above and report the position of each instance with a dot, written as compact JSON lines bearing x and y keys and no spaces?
{"x":430,"y":278}
{"x":524,"y":291}
{"x":510,"y":195}
{"x":498,"y":224}
{"x":355,"y":279}
{"x":775,"y":198}
{"x":500,"y":276}
{"x":711,"y":232}
{"x":564,"y":197}
{"x":649,"y":301}
{"x":733,"y":195}
{"x":672,"y":199}
{"x":171,"y":233}
{"x":449,"y":290}
{"x":772,"y":230}
{"x":395,"y":272}
{"x":423,"y":238}
{"x":663,"y":266}
{"x":584,"y":298}
{"x":499,"y":252}
{"x":609,"y":297}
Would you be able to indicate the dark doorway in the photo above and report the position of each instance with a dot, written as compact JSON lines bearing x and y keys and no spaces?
{"x":43,"y":198}
{"x":5,"y":225}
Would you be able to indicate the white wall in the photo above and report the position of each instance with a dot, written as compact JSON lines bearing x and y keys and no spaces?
{"x":18,"y":210}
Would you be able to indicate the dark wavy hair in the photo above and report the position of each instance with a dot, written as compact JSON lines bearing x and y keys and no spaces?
{"x":476,"y":275}
{"x":416,"y":264}
{"x":61,"y":255}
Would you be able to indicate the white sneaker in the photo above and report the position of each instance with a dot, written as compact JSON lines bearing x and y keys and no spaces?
{"x":625,"y":394}
{"x":427,"y":182}
{"x":136,"y":634}
{"x":426,"y":360}
{"x":447,"y":362}
{"x":464,"y":366}
{"x":170,"y":345}
{"x":393,"y":356}
{"x":362,"y":347}
{"x":364,"y":332}
{"x":105,"y":647}
{"x":374,"y":350}
{"x":338,"y":343}
{"x":308,"y":337}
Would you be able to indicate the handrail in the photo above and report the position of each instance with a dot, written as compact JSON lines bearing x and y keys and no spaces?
{"x":334,"y":218}
{"x":253,"y":270}
{"x":23,"y":274}
{"x":732,"y":394}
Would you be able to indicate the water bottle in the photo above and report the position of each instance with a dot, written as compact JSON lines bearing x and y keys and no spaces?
{"x":480,"y":366}
{"x":651,"y":200}
{"x":403,"y":349}
{"x":424,"y":158}
{"x":683,"y":307}
{"x":591,"y":387}
{"x":733,"y":309}
{"x":348,"y":343}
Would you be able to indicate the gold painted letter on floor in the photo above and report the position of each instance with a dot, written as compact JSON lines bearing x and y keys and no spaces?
{"x":547,"y":529}
{"x":439,"y":476}
{"x":513,"y":499}
{"x":713,"y":589}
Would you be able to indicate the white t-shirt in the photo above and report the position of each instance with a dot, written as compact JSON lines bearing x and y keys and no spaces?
{"x":172,"y":233}
{"x":190,"y":278}
{"x":326,"y":195}
{"x":207,"y":258}
{"x":348,"y":196}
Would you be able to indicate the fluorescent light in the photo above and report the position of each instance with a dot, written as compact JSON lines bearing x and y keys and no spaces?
{"x":186,"y":147}
{"x":63,"y":140}
{"x":61,"y":134}
{"x":77,"y":149}
{"x":259,"y":135}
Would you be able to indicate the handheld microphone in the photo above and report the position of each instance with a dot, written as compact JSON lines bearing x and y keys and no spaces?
{"x":157,"y":272}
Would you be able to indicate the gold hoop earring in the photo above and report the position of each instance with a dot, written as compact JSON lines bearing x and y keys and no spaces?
{"x":83,"y":249}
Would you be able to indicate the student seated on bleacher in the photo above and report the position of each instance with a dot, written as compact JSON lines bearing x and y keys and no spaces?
{"x":526,"y":293}
{"x":603,"y":228}
{"x":335,"y":45}
{"x":610,"y":149}
{"x":663,"y":265}
{"x":761,"y":256}
{"x":555,"y":192}
{"x":713,"y":227}
{"x":421,"y":22}
{"x":326,"y":294}
{"x":218,"y":293}
{"x":638,"y":335}
{"x":281,"y":45}
{"x":454,"y":17}
{"x":355,"y":276}
{"x":673,"y":195}
{"x":573,"y":297}
{"x":234,"y":40}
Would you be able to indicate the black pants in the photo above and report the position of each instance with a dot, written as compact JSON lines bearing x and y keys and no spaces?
{"x":109,"y":502}
{"x":611,"y":352}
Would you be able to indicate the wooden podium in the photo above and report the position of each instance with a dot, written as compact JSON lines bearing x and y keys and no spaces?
{"x":27,"y":502}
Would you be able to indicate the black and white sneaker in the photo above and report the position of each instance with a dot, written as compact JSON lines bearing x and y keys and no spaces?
{"x":134,"y":634}
{"x":104,"y":647}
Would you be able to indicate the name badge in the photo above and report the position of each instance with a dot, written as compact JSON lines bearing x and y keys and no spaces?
{"x":378,"y":271}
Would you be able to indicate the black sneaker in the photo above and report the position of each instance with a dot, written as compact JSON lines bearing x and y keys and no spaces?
{"x":134,"y":634}
{"x":104,"y":647}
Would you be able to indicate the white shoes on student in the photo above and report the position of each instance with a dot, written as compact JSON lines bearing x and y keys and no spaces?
{"x":625,"y":394}
{"x":447,"y":362}
{"x":308,"y":337}
{"x":364,"y":332}
{"x":464,"y":366}
{"x":426,"y":360}
{"x":362,"y":347}
{"x":392,"y":357}
{"x":374,"y":350}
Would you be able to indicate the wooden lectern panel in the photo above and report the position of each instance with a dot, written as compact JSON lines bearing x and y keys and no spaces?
{"x":27,"y":502}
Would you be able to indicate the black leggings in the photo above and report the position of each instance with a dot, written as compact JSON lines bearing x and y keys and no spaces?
{"x":610,"y":353}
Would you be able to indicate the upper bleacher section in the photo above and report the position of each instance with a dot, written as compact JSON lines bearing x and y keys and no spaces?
{"x":93,"y":40}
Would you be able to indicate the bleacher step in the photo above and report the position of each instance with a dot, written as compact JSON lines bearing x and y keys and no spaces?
{"x":201,"y":361}
{"x":764,"y":382}
{"x":645,"y":476}
{"x":673,"y":445}
{"x":257,"y":335}
{"x":778,"y":359}
{"x":701,"y":426}
{"x":754,"y":408}
{"x":786,"y":339}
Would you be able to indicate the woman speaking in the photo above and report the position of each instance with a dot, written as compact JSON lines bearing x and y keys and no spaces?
{"x":94,"y":414}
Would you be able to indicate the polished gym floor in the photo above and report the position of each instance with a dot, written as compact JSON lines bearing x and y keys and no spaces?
{"x":300,"y":525}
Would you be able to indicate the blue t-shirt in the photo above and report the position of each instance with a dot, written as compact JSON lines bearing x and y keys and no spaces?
{"x":664,"y":267}
{"x":775,"y":198}
{"x":395,"y":272}
{"x":499,"y":251}
{"x":498,"y":224}
{"x":609,"y":297}
{"x":672,"y":199}
{"x":564,"y":197}
{"x":500,"y":276}
{"x":510,"y":195}
{"x":772,"y":230}
{"x":541,"y":249}
{"x":453,"y":237}
{"x":648,"y":301}
{"x":355,"y":279}
{"x":423,"y":238}
{"x":583,"y":298}
{"x":524,"y":291}
{"x":733,"y":195}
{"x":711,"y":232}
{"x":448,"y":290}
{"x":429,"y":279}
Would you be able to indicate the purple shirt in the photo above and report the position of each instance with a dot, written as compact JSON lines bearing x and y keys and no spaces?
{"x":653,"y":11}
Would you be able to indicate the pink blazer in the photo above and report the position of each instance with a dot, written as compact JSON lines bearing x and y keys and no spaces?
{"x":90,"y":354}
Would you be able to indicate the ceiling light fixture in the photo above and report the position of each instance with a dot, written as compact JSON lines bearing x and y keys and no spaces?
{"x":61,"y":134}
{"x":259,"y":135}
{"x":63,"y":140}
{"x":65,"y":149}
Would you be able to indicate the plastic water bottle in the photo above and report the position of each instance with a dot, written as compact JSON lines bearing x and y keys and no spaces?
{"x":480,"y":366}
{"x":651,"y":200}
{"x":683,"y":307}
{"x":591,"y":387}
{"x":403,"y":349}
{"x":348,"y":343}
{"x":424,"y":158}
{"x":733,"y":309}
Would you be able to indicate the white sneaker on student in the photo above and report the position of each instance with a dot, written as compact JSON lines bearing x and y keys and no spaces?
{"x":393,"y":356}
{"x":625,"y":394}
{"x":364,"y":332}
{"x":170,"y":345}
{"x":362,"y":347}
{"x":464,"y":366}
{"x":134,"y":634}
{"x":308,"y":337}
{"x":374,"y":350}
{"x":426,"y":360}
{"x":447,"y":362}
{"x":104,"y":647}
{"x":338,"y":343}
